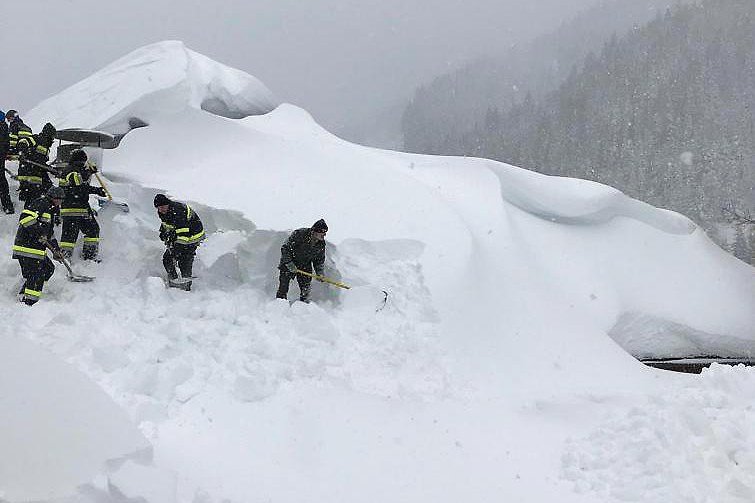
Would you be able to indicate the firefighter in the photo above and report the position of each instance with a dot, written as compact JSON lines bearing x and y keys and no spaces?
{"x":75,"y":211}
{"x":181,"y":231}
{"x":33,"y":154}
{"x":303,"y":250}
{"x":16,"y":130}
{"x":33,"y":238}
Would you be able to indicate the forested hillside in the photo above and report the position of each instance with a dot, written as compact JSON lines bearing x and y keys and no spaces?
{"x":450,"y":106}
{"x":664,"y":113}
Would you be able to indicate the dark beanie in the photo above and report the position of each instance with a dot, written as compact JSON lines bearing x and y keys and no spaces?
{"x":320,"y":226}
{"x":161,"y":200}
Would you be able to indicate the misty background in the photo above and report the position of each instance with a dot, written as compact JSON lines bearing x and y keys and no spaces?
{"x":353,"y":64}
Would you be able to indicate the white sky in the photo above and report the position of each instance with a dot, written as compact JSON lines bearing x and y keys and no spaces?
{"x":341,"y":60}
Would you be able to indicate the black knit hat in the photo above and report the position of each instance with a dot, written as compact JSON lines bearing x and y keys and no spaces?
{"x":161,"y":200}
{"x":11,"y":114}
{"x":320,"y":226}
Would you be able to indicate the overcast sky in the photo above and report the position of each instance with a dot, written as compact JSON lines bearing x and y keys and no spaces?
{"x":342,"y":60}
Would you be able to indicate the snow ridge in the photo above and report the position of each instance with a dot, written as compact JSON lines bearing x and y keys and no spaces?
{"x":161,"y":78}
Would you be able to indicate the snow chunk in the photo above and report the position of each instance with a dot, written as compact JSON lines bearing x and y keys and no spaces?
{"x":158,"y":79}
{"x":59,"y":429}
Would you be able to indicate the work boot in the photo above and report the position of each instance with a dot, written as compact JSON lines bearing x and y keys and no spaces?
{"x":89,"y":252}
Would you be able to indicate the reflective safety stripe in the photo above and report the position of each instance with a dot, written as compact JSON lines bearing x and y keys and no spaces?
{"x":25,"y":134}
{"x":188,"y":212}
{"x":66,"y":244}
{"x":23,"y":251}
{"x":182,"y":230}
{"x":168,"y":226}
{"x":32,"y":293}
{"x":46,"y":217}
{"x":74,"y":212}
{"x":36,"y":180}
{"x":73,"y":178}
{"x":189,"y":240}
{"x":30,"y":220}
{"x":62,"y":182}
{"x":91,"y":240}
{"x":41,"y":149}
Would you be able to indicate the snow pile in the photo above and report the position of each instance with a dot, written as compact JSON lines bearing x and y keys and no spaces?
{"x":507,"y":294}
{"x":693,"y":443}
{"x":160,"y":78}
{"x":59,"y":429}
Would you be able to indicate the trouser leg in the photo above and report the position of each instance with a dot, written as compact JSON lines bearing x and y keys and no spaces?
{"x":185,"y":258}
{"x":91,"y":230}
{"x":305,"y":286}
{"x":284,"y":279}
{"x":69,"y":235}
{"x":5,"y":199}
{"x":35,"y":272}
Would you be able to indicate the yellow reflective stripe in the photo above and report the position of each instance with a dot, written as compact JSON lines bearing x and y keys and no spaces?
{"x":190,"y":239}
{"x":188,"y":212}
{"x":27,"y":221}
{"x":168,"y":226}
{"x":25,"y":133}
{"x":42,"y":149}
{"x":76,"y":178}
{"x":32,"y":293}
{"x":74,"y":210}
{"x":91,"y":240}
{"x":26,"y":250}
{"x":29,"y":179}
{"x":182,"y":230}
{"x":66,"y":244}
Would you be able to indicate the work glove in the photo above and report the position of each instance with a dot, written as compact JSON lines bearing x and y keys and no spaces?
{"x":291,"y":267}
{"x":318,"y":276}
{"x":101,"y":192}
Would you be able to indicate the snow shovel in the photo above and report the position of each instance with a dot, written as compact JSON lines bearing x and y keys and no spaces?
{"x":42,"y":165}
{"x":72,"y":276}
{"x":324,"y":279}
{"x":343,"y":285}
{"x":109,"y":201}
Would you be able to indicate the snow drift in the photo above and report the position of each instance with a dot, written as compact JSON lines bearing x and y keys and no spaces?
{"x":509,"y":291}
{"x":148,"y":82}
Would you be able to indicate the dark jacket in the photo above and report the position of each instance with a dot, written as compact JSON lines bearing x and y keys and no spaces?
{"x":4,"y":140}
{"x":35,"y":222}
{"x":305,"y":252}
{"x":17,"y":130}
{"x":181,"y":225}
{"x":75,"y":182}
{"x":34,"y":148}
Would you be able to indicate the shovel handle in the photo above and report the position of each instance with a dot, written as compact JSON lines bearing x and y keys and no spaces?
{"x":324,"y":279}
{"x":102,"y":184}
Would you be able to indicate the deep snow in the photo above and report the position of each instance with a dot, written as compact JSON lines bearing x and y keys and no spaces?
{"x":489,"y":375}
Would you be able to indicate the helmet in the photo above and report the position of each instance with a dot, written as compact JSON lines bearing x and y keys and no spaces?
{"x":56,"y":193}
{"x":10,"y":114}
{"x":2,"y":115}
{"x":49,"y":130}
{"x":78,"y":157}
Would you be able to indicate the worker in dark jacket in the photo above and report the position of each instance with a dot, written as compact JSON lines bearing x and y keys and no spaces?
{"x":16,"y":130}
{"x":303,"y":250}
{"x":75,"y":211}
{"x":181,"y":231}
{"x":5,"y":199}
{"x":33,"y":238}
{"x":33,"y":153}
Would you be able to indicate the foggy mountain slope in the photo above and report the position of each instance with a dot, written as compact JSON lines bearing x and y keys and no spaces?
{"x":664,"y":114}
{"x":449,"y":107}
{"x":491,"y":352}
